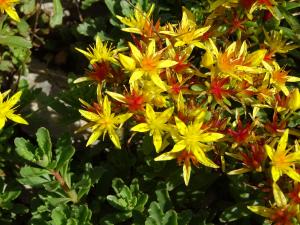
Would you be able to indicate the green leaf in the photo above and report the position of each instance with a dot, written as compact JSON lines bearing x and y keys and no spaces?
{"x":111,"y":5}
{"x":115,"y":218}
{"x":33,"y":181}
{"x":170,"y":218}
{"x":292,"y":21}
{"x":83,"y":214}
{"x":118,"y":203}
{"x":15,"y":41}
{"x":85,"y":4}
{"x":72,"y":221}
{"x":6,"y":199}
{"x":24,"y":149}
{"x":56,"y":201}
{"x":141,"y":202}
{"x":155,"y":214}
{"x":28,"y":6}
{"x":58,"y":216}
{"x":28,"y":171}
{"x":64,"y":156}
{"x":23,"y":27}
{"x":57,"y":18}
{"x":164,"y":200}
{"x":126,"y":8}
{"x":83,"y":187}
{"x":44,"y":142}
{"x":6,"y":65}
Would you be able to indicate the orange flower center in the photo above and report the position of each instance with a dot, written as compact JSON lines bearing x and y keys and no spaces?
{"x":280,"y":160}
{"x":227,"y":62}
{"x":280,"y":76}
{"x":149,"y":63}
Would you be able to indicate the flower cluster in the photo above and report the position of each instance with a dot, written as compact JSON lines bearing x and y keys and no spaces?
{"x":201,"y":114}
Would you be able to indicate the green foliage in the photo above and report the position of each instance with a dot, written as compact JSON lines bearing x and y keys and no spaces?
{"x":57,"y":18}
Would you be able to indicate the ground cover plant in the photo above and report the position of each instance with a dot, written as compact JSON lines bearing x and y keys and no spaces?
{"x":149,"y":112}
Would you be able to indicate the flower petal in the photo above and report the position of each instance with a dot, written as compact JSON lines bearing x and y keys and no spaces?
{"x":94,"y":136}
{"x":180,"y":126}
{"x":239,"y":171}
{"x":127,"y":62}
{"x":186,"y":171}
{"x":89,"y":115}
{"x":165,"y":115}
{"x":106,"y":106}
{"x":151,"y":48}
{"x":2,"y":122}
{"x":157,"y":80}
{"x":276,"y":173}
{"x":116,"y":96}
{"x":157,"y":140}
{"x":122,"y":118}
{"x":292,"y":174}
{"x":16,"y":118}
{"x":166,"y":63}
{"x":114,"y":138}
{"x":12,"y":13}
{"x":202,"y":158}
{"x":150,"y":114}
{"x":279,"y":196}
{"x":135,"y":52}
{"x":210,"y":137}
{"x":270,"y":151}
{"x":166,"y":156}
{"x":261,"y":210}
{"x":14,"y":99}
{"x":87,"y":54}
{"x":283,"y":141}
{"x":136,"y":75}
{"x":142,"y":127}
{"x":179,"y":146}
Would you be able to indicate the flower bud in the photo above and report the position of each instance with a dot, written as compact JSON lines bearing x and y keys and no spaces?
{"x":294,"y":100}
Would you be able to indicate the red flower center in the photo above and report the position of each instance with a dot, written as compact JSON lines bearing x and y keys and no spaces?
{"x":135,"y":101}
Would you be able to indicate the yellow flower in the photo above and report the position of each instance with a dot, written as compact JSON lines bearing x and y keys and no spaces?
{"x":277,"y":44}
{"x":156,"y":124}
{"x":294,"y":100}
{"x":283,"y":162}
{"x":279,"y":77}
{"x":235,"y":60}
{"x":138,"y":21}
{"x":149,"y":64}
{"x":102,"y":121}
{"x":191,"y":139}
{"x":101,"y":52}
{"x":8,"y":7}
{"x":7,"y":109}
{"x":187,"y":32}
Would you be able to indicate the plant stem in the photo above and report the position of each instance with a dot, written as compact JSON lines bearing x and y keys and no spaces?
{"x":71,"y":193}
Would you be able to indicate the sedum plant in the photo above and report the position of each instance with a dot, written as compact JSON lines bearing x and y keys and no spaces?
{"x":200,"y":96}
